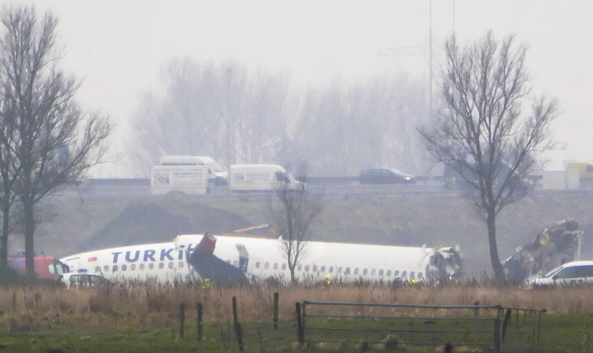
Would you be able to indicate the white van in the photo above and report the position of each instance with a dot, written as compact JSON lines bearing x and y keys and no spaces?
{"x":217,"y":175}
{"x":261,"y":178}
{"x":574,"y":272}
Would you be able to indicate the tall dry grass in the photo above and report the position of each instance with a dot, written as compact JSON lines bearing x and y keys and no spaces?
{"x":29,"y":307}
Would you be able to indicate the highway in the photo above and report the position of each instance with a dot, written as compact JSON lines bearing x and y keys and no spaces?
{"x":335,"y":187}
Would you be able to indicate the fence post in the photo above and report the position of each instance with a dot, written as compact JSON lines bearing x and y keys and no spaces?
{"x":505,"y":323}
{"x":181,"y":320}
{"x":300,"y":326}
{"x":200,"y":324}
{"x":497,"y":334}
{"x":237,"y":325}
{"x":275,"y":317}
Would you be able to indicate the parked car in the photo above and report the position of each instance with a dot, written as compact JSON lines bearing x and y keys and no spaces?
{"x":83,"y":280}
{"x":574,"y":272}
{"x":385,"y":176}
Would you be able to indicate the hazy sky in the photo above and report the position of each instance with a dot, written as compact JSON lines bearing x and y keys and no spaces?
{"x":117,"y":48}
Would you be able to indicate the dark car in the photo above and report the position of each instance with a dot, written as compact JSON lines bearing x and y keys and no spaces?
{"x":385,"y":176}
{"x":83,"y":280}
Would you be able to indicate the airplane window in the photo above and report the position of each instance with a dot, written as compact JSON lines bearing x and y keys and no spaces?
{"x":373,"y":272}
{"x":150,"y":266}
{"x":141,"y":267}
{"x":388,"y":274}
{"x":275,"y":265}
{"x":322,"y":268}
{"x":307,"y":268}
{"x":396,"y":273}
{"x":161,"y":265}
{"x":347,"y":271}
{"x":97,"y":269}
{"x":412,"y":274}
{"x":132,"y":267}
{"x":365,"y":271}
{"x":405,"y":274}
{"x":314,"y":268}
{"x":381,"y":273}
{"x":331,"y":269}
{"x":257,"y":264}
{"x":106,"y":268}
{"x":124,"y":267}
{"x":267,"y":265}
{"x":356,"y":271}
{"x":339,"y":269}
{"x":419,"y":274}
{"x":283,"y":266}
{"x":171,"y":265}
{"x":180,"y":264}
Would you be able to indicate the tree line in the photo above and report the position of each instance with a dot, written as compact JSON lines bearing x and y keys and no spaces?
{"x":238,"y":116}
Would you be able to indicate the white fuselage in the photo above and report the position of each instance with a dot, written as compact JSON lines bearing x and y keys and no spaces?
{"x":260,"y":258}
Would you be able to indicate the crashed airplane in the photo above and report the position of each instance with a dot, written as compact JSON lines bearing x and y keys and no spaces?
{"x":238,"y":259}
{"x":559,"y":244}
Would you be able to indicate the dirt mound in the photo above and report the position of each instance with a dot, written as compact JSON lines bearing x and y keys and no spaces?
{"x":153,"y":222}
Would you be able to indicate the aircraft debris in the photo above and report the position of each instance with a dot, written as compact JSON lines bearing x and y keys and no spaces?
{"x":555,"y":246}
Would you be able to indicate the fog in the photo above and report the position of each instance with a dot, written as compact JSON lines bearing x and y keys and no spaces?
{"x":321,"y":50}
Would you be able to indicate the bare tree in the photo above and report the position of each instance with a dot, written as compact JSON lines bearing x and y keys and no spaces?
{"x":292,"y":214}
{"x":482,"y":133}
{"x":48,"y":143}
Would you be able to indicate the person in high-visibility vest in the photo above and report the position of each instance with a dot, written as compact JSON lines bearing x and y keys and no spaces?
{"x":207,"y":283}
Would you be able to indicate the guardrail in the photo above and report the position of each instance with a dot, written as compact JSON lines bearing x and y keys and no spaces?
{"x":327,"y":186}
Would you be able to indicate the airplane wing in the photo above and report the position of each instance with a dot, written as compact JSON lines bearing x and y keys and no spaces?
{"x":209,"y":266}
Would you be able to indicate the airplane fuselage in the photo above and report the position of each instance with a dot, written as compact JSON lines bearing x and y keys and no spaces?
{"x":259,"y":258}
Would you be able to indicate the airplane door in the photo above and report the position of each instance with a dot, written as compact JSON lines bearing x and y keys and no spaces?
{"x":72,"y":264}
{"x":243,"y":257}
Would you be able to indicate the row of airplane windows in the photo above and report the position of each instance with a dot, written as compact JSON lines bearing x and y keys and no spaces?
{"x":266,"y":266}
{"x":140,"y":267}
{"x":346,"y":271}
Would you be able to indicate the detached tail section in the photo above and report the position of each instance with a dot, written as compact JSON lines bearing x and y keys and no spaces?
{"x":211,"y":267}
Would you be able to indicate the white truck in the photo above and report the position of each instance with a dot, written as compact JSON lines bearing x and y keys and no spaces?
{"x":192,"y":179}
{"x":261,"y":178}
{"x":217,"y":175}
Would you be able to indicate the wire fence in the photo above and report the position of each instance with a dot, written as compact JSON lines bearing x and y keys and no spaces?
{"x":389,"y":325}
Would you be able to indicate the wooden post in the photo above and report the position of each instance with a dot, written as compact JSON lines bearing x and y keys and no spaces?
{"x":181,"y":320}
{"x":497,"y":333}
{"x":237,"y":326}
{"x":199,"y":312}
{"x":300,"y":328}
{"x":275,"y":318}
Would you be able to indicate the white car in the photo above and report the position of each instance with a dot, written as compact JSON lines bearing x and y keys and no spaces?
{"x":83,"y":280}
{"x":569,"y":273}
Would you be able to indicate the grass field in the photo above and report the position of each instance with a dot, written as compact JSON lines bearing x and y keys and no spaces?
{"x":146,"y":318}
